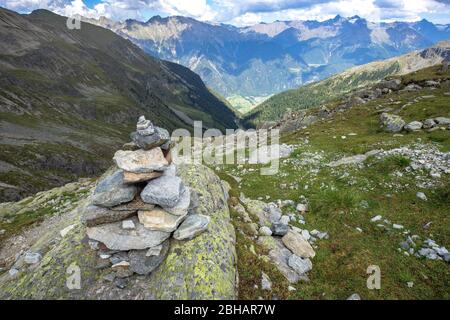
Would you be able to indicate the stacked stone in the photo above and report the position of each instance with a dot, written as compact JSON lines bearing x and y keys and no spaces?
{"x":140,"y":205}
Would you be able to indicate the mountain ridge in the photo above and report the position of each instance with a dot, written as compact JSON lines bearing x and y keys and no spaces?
{"x":68,"y":98}
{"x":257,"y":61}
{"x":317,"y":93}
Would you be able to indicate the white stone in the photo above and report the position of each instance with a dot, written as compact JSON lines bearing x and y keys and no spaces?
{"x":66,"y":230}
{"x":376,"y":218}
{"x":421,"y":196}
{"x":128,"y":224}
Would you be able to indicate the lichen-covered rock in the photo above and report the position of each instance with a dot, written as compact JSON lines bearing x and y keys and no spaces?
{"x":191,"y":227}
{"x":203,"y":268}
{"x":142,"y":263}
{"x":392,"y":122}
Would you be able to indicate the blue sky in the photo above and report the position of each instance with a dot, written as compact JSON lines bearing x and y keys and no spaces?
{"x":245,"y":12}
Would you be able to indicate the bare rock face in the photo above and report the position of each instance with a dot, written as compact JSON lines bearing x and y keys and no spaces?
{"x":160,"y":220}
{"x":111,"y":191}
{"x":298,"y":245}
{"x":141,"y":161}
{"x":114,"y":237}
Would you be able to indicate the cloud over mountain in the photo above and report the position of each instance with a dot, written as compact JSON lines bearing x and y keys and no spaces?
{"x":244,"y":12}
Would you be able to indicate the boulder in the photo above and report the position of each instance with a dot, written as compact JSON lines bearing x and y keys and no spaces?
{"x":442,"y":120}
{"x":164,"y":191}
{"x":143,"y":264}
{"x":191,"y":227}
{"x":111,"y":191}
{"x":393,"y":84}
{"x":412,"y":87}
{"x":298,"y":245}
{"x":429,"y":123}
{"x":160,"y":220}
{"x":391,"y":122}
{"x":94,"y":215}
{"x":115,"y":238}
{"x":141,"y":161}
{"x":413,"y":126}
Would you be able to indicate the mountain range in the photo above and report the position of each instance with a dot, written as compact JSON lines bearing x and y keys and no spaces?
{"x":68,"y":98}
{"x":249,"y":64}
{"x":336,"y":87}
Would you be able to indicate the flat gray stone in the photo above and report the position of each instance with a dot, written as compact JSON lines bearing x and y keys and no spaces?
{"x":143,"y":264}
{"x":115,"y":238}
{"x":182,"y":206}
{"x":95,"y":215}
{"x":413,"y":126}
{"x":164,"y":191}
{"x":111,"y":191}
{"x":300,"y":265}
{"x":141,"y":161}
{"x":32,"y":257}
{"x":191,"y":227}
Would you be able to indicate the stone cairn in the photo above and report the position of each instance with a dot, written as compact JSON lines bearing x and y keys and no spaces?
{"x":140,"y":205}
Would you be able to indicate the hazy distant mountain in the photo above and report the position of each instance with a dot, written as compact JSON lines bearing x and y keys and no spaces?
{"x":69,"y":98}
{"x":268,"y":58}
{"x":335,"y":87}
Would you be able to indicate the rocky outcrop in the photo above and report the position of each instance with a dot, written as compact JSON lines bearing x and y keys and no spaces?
{"x":202,"y":268}
{"x":123,"y":233}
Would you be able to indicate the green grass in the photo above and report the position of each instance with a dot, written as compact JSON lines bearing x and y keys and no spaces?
{"x":336,"y":195}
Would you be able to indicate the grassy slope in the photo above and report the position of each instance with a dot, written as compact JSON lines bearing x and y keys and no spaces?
{"x":315,"y":94}
{"x":341,"y":262}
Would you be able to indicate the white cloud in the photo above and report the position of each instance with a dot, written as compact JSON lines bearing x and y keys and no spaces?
{"x":242,"y":12}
